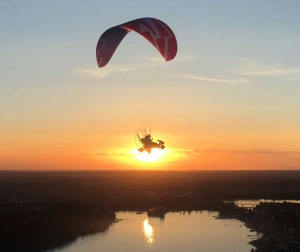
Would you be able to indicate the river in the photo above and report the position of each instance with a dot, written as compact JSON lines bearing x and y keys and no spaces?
{"x":177,"y":232}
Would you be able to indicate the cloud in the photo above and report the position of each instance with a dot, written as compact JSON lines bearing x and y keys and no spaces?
{"x":252,"y":152}
{"x":96,"y":73}
{"x":251,"y":69}
{"x":190,"y":152}
{"x":275,"y":70}
{"x":155,"y":59}
{"x":261,"y":152}
{"x":160,"y":61}
{"x":210,"y":79}
{"x":199,"y":152}
{"x":109,"y":153}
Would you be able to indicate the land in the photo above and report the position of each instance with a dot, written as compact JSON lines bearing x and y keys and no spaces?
{"x":278,"y":225}
{"x":43,"y":210}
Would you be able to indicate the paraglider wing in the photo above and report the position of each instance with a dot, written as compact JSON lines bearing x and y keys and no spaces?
{"x":158,"y":33}
{"x":155,"y":31}
{"x":108,"y":43}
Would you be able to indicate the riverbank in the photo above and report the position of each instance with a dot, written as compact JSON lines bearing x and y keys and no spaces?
{"x":43,"y":210}
{"x":38,"y":227}
{"x":277,"y":223}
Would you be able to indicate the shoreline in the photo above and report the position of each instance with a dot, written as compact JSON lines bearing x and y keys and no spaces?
{"x":37,"y":228}
{"x":277,"y":223}
{"x":50,"y":201}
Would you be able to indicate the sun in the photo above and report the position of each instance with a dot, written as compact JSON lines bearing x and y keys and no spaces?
{"x":155,"y":155}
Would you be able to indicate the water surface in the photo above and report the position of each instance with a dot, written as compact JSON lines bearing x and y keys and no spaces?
{"x":177,"y":232}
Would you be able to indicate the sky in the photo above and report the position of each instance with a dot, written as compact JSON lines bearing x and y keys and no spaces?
{"x":227,"y":101}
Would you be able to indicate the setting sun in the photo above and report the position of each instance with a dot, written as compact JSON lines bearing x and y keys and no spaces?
{"x":155,"y":155}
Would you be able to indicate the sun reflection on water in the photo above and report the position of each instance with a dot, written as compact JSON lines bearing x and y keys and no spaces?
{"x":148,"y":233}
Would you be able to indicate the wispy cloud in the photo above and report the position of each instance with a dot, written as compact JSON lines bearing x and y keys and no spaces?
{"x":111,"y":153}
{"x":288,"y":72}
{"x":155,"y":59}
{"x":211,"y":79}
{"x":256,"y":152}
{"x":96,"y":73}
{"x":274,"y":70}
{"x":181,"y":58}
{"x":190,"y":152}
{"x":198,"y":152}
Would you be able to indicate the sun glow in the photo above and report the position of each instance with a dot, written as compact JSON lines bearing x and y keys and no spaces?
{"x":155,"y":155}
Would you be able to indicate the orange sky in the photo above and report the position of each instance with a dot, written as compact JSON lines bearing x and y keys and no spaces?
{"x":229,"y":99}
{"x":89,"y":152}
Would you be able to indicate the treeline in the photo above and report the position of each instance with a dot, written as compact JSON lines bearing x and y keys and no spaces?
{"x":39,"y":229}
{"x":112,"y":186}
